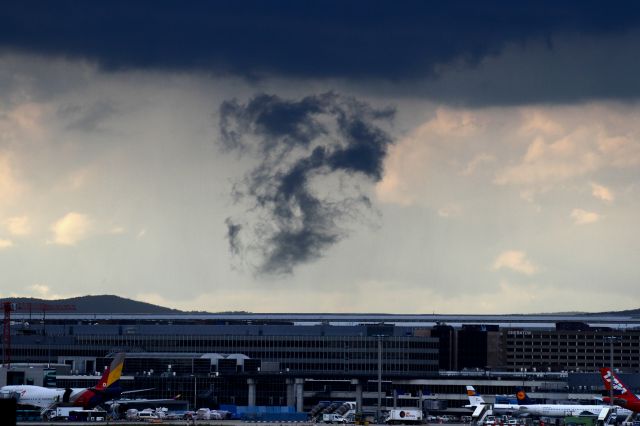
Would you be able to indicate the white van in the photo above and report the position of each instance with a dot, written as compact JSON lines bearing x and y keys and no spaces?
{"x":333,"y":418}
{"x":147,"y":414}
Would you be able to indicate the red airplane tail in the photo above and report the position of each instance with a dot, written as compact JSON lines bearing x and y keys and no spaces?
{"x":621,"y":394}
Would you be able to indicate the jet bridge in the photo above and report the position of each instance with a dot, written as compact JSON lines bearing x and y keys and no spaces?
{"x":481,"y":412}
{"x":607,"y":416}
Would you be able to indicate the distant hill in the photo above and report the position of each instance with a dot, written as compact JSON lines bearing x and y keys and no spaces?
{"x":102,"y":304}
{"x":629,"y":312}
{"x":111,"y":304}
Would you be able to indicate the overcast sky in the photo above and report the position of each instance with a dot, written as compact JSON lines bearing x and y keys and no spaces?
{"x":329,"y":156}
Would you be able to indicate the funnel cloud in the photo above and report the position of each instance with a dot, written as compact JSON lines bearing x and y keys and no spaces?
{"x":320,"y":141}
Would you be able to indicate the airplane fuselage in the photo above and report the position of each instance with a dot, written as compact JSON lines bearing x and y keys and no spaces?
{"x":505,"y":408}
{"x":563,"y":410}
{"x":39,"y":396}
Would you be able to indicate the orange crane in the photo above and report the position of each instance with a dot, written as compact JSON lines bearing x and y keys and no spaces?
{"x":9,"y":307}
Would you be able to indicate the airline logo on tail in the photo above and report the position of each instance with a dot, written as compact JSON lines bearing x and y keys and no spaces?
{"x":522,"y":397}
{"x":111,"y":376}
{"x":608,"y":377}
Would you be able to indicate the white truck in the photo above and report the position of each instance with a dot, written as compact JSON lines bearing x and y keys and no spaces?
{"x":404,"y":416}
{"x":75,"y":414}
{"x":333,"y":418}
{"x":61,"y":413}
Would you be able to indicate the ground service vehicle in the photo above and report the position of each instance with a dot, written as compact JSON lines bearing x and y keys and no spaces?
{"x":60,"y":413}
{"x":131,"y":414}
{"x":147,"y":414}
{"x":208,"y":414}
{"x":333,"y":418}
{"x":404,"y":416}
{"x":88,"y":415}
{"x":75,"y":414}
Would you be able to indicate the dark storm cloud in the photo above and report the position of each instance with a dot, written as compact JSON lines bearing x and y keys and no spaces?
{"x":298,"y":142}
{"x":357,"y":39}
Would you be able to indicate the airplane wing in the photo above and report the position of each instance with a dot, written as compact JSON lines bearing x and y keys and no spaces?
{"x":136,"y":391}
{"x":142,"y":400}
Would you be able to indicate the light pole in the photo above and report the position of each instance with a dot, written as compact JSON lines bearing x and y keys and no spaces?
{"x":611,"y":371}
{"x":193,"y":373}
{"x":611,"y":339}
{"x":379,"y":379}
{"x":213,"y":393}
{"x":195,"y":391}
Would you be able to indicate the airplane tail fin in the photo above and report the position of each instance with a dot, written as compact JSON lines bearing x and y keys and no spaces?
{"x":621,"y":392}
{"x":111,"y":377}
{"x":522,"y":397}
{"x":474,"y":398}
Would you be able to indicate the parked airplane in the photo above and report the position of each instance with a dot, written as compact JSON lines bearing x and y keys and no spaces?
{"x":560,"y":410}
{"x":526,"y":407}
{"x":622,"y":397}
{"x":108,"y":387}
{"x":475,"y":400}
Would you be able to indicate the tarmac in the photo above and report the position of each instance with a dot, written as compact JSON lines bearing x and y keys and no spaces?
{"x":171,"y":423}
{"x":197,"y":422}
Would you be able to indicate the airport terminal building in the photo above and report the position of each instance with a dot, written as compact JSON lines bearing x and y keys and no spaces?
{"x":298,"y":360}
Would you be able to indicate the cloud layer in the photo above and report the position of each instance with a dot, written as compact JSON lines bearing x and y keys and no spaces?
{"x":531,"y":149}
{"x":541,"y":45}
